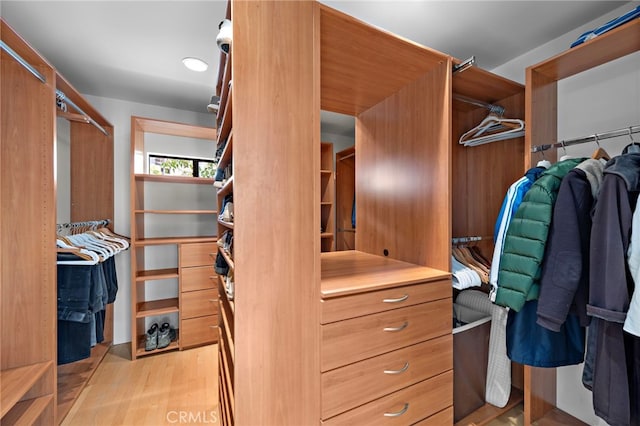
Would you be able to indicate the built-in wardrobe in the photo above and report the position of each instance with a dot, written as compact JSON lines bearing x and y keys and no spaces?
{"x":416,"y":189}
{"x":34,"y":389}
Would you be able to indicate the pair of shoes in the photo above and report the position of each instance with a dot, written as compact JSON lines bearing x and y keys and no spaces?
{"x":159,"y":337}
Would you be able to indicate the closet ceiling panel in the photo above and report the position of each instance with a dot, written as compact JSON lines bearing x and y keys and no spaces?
{"x":354,"y":74}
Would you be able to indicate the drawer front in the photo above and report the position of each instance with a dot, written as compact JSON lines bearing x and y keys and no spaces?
{"x":198,"y":331}
{"x":349,"y":341}
{"x":197,"y":278}
{"x":199,"y":303}
{"x":197,"y":254}
{"x":357,"y":305}
{"x":356,"y":384}
{"x":405,"y":407}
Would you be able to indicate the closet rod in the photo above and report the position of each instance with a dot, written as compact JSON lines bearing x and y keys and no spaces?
{"x":22,"y":62}
{"x":62,"y":97}
{"x":493,"y":108}
{"x":628,"y":131}
{"x":467,"y":63}
{"x":459,"y":240}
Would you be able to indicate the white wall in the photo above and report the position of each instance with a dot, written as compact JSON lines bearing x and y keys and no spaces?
{"x":119,"y":113}
{"x":604,"y":98}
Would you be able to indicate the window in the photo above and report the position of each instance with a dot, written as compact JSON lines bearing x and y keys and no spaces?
{"x":181,"y":166}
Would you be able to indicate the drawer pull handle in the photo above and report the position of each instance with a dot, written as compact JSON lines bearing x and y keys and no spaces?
{"x":213,"y":300}
{"x":398,"y":413}
{"x":402,"y":370}
{"x":398,"y":300}
{"x":213,"y":326}
{"x":211,"y":255}
{"x":402,"y":327}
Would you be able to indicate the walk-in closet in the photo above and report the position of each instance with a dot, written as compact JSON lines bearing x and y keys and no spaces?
{"x":354,"y":225}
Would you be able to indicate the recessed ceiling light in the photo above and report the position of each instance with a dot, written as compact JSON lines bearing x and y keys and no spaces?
{"x":195,"y":64}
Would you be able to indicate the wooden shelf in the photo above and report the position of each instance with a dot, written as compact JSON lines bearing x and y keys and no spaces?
{"x":16,"y":382}
{"x":157,"y":307}
{"x":607,"y":47}
{"x":225,"y":224}
{"x":225,"y":127}
{"x":173,"y":179}
{"x":225,"y":158}
{"x":482,"y":85}
{"x":176,"y":212}
{"x":156,"y":274}
{"x":224,"y":87}
{"x":229,"y":337}
{"x":227,"y":257}
{"x":488,"y":412}
{"x":326,"y":203}
{"x":326,"y":172}
{"x":227,"y":188}
{"x":223,"y":296}
{"x":172,"y":240}
{"x":28,"y":411}
{"x":326,"y":235}
{"x":141,"y":343}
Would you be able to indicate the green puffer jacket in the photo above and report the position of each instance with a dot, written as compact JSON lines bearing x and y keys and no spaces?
{"x":523,"y":250}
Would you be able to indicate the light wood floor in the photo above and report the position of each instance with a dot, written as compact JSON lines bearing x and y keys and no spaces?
{"x":152,"y":390}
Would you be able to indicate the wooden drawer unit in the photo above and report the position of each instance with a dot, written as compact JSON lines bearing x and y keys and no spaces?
{"x":197,"y":254}
{"x":351,"y":306}
{"x":355,"y":339}
{"x":355,"y":384}
{"x":197,"y":278}
{"x":198,"y":331}
{"x":199,"y":303}
{"x":444,"y":417}
{"x":404,"y":407}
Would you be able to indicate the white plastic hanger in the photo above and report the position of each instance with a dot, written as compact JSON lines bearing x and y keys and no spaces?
{"x":493,"y":128}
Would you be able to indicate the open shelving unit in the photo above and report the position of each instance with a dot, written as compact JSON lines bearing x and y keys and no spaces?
{"x":192,"y":251}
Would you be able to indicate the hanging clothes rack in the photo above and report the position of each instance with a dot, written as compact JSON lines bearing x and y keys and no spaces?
{"x":22,"y":62}
{"x":596,"y":137}
{"x":61,"y":97}
{"x":497,"y":109}
{"x":89,"y":225}
{"x":470,"y":239}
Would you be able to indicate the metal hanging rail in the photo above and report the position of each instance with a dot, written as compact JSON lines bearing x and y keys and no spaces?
{"x":467,"y":63}
{"x":470,"y":239}
{"x":596,"y":137}
{"x":63,"y":98}
{"x":493,"y":108}
{"x":22,"y":62}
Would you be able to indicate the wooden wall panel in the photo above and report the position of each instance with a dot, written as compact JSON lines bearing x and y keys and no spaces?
{"x":482,"y":174}
{"x":345,"y":190}
{"x":403,"y":183}
{"x":541,"y":109}
{"x":27,"y":216}
{"x":91,"y":173}
{"x":276,"y":113}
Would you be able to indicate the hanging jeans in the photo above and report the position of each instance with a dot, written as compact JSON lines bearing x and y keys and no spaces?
{"x":74,"y":316}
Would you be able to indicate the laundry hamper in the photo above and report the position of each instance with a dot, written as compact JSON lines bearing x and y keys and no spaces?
{"x":471,"y":334}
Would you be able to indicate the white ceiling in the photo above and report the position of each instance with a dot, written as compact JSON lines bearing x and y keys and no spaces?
{"x":132,"y":50}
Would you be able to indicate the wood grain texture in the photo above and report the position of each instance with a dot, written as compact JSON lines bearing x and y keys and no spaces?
{"x":403,"y":181}
{"x":539,"y":392}
{"x":28,"y":299}
{"x":151,"y":391}
{"x":199,"y":303}
{"x":444,"y":417}
{"x":173,"y":128}
{"x":488,"y":412}
{"x":91,"y":173}
{"x":614,"y":44}
{"x":196,"y":278}
{"x":423,"y":399}
{"x":197,"y":254}
{"x":351,"y":272}
{"x":276,"y":99}
{"x":369,"y":77}
{"x":481,"y":175}
{"x":353,"y":385}
{"x":339,"y":308}
{"x":483,"y":86}
{"x":355,"y":339}
{"x":327,"y":197}
{"x":345,"y":191}
{"x":542,"y":114}
{"x":198,"y":331}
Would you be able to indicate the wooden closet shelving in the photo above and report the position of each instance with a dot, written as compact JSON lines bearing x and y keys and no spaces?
{"x":345,"y":193}
{"x":191,"y":277}
{"x":327,"y":198}
{"x":542,"y":128}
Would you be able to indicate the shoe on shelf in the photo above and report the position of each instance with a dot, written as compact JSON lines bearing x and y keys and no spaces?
{"x":164,"y":335}
{"x":151,"y":338}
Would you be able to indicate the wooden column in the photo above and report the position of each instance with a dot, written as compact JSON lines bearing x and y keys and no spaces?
{"x":276,"y":113}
